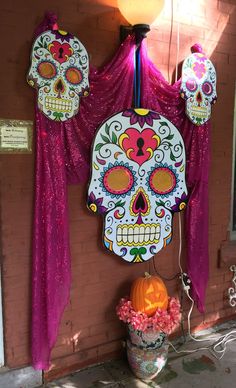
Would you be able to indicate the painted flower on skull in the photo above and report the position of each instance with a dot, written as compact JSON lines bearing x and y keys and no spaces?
{"x":95,"y":204}
{"x":180,"y":203}
{"x":199,"y":69}
{"x":141,"y":116}
{"x":138,"y":169}
{"x":64,"y":36}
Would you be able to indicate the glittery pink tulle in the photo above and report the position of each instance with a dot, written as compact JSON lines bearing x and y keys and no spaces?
{"x":160,"y":96}
{"x":63,"y":156}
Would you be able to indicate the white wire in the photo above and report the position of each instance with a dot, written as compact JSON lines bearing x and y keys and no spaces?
{"x":180,"y":243}
{"x":222,"y":340}
{"x":177,"y":53}
{"x":181,"y":269}
{"x":186,"y":350}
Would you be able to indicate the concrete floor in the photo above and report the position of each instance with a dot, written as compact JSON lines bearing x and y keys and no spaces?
{"x":197,"y":370}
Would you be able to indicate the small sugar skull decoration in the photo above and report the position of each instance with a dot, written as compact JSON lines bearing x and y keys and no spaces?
{"x":137,"y":182}
{"x":198,"y":87}
{"x":59,"y":71}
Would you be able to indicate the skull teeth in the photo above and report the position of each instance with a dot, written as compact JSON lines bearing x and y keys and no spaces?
{"x":138,"y":234}
{"x":199,"y":111}
{"x":58,"y":104}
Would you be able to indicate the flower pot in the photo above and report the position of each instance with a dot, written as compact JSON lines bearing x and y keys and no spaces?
{"x":150,"y":339}
{"x":145,"y":363}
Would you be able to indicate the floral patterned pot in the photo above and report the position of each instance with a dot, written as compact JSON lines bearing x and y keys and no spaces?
{"x":150,"y":339}
{"x":146,"y":364}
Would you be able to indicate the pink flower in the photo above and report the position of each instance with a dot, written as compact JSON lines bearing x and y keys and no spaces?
{"x":199,"y":69}
{"x":164,"y":321}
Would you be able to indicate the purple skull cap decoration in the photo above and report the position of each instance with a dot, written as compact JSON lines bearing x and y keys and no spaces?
{"x":137,"y":182}
{"x":198,"y":87}
{"x":59,"y":71}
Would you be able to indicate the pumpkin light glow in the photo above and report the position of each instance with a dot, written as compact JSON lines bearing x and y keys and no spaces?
{"x":148,"y":294}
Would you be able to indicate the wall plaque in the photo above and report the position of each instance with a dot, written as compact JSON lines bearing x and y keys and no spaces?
{"x":16,"y":136}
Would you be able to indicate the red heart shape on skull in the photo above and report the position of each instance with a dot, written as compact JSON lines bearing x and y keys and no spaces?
{"x":60,"y":51}
{"x":139,"y":146}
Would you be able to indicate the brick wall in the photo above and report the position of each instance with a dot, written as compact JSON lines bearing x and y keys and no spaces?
{"x":89,"y":330}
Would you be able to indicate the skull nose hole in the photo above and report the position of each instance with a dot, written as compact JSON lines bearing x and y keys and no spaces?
{"x":199,"y":98}
{"x":140,"y":144}
{"x":59,"y":87}
{"x":60,"y":52}
{"x":140,"y":204}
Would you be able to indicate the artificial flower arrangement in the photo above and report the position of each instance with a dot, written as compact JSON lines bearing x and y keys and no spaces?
{"x":149,"y":306}
{"x":151,"y":315}
{"x":163,"y":320}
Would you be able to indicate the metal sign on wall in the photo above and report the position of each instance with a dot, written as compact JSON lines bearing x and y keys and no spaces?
{"x":16,"y":136}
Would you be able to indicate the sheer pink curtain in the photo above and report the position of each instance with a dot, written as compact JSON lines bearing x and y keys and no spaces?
{"x":62,"y":157}
{"x":159,"y":95}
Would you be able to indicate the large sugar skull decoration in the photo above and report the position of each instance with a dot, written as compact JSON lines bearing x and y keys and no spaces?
{"x":198,"y":87}
{"x":59,"y":72}
{"x":137,"y":182}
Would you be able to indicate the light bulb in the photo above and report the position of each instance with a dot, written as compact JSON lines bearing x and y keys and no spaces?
{"x":140,"y":11}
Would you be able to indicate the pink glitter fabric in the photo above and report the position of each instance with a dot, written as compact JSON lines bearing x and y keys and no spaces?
{"x":162,"y":97}
{"x":63,"y":157}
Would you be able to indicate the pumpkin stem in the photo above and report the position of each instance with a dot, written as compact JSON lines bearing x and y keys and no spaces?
{"x":147,"y":275}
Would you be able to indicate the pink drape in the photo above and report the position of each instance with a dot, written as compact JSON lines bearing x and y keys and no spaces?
{"x":63,"y":157}
{"x":159,"y":95}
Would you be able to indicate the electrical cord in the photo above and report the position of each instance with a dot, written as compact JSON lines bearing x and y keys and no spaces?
{"x":161,"y":276}
{"x":222,"y":340}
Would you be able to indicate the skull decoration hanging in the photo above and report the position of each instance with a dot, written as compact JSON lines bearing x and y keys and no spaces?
{"x":137,"y":182}
{"x":198,"y":87}
{"x":59,"y":72}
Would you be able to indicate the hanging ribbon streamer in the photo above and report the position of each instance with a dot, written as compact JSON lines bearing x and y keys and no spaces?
{"x":137,"y":78}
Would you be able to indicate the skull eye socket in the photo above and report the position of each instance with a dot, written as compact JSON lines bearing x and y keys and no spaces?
{"x":162,"y":181}
{"x":73,"y":76}
{"x":191,"y":85}
{"x":118,"y":180}
{"x":47,"y":70}
{"x":207,"y":88}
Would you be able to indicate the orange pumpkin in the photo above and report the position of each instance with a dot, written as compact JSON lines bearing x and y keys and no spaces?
{"x":148,"y":294}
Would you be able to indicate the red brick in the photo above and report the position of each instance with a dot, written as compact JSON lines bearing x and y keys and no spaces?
{"x":62,"y":351}
{"x":225,"y":7}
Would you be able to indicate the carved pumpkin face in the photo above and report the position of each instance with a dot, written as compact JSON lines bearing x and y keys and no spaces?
{"x":148,"y":294}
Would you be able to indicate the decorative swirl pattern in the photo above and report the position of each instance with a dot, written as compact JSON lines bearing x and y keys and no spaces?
{"x":178,"y":150}
{"x":115,"y":126}
{"x":164,"y":129}
{"x":105,"y":152}
{"x":109,"y":222}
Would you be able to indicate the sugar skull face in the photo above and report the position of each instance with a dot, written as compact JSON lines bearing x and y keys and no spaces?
{"x":198,"y":87}
{"x":137,"y":182}
{"x":59,"y":71}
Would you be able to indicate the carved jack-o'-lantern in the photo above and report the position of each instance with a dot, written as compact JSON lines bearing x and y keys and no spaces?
{"x":148,"y":294}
